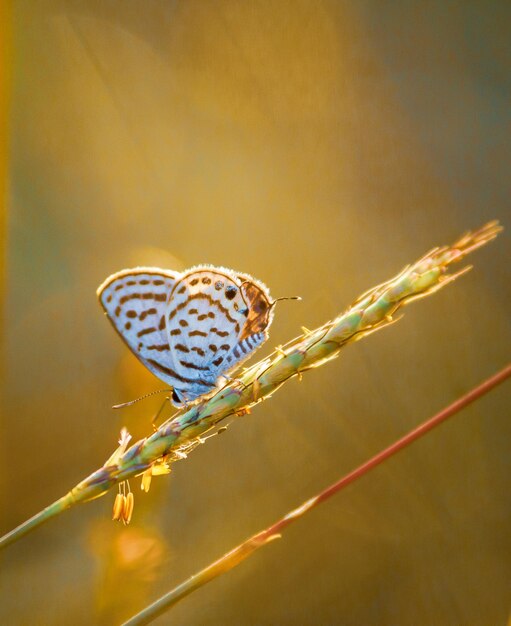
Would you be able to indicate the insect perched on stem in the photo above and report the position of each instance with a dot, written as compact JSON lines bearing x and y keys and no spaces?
{"x":189,"y":329}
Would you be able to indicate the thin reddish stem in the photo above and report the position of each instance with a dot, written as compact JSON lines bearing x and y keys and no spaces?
{"x":398,"y":445}
{"x":248,"y":547}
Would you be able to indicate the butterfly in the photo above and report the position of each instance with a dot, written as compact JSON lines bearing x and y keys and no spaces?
{"x":191,"y":328}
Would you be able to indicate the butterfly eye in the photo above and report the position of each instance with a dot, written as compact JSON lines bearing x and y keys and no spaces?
{"x":176,"y":397}
{"x":230,"y":292}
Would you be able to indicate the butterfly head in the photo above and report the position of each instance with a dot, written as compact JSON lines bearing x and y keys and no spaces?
{"x":259,"y":307}
{"x":258,"y":310}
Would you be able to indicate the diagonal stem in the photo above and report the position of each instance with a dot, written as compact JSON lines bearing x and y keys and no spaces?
{"x":375,"y":309}
{"x":248,"y":547}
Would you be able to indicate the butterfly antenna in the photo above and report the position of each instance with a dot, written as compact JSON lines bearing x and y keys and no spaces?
{"x":284,"y":298}
{"x":147,"y":395}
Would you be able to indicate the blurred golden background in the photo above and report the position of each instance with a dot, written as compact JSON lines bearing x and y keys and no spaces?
{"x":319,"y":146}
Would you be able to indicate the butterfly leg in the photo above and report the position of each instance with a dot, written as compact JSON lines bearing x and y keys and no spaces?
{"x":158,"y":413}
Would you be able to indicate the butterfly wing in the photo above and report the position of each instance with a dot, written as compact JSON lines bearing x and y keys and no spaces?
{"x":135,"y":302}
{"x":215,"y":320}
{"x":205,"y":315}
{"x":188,"y":329}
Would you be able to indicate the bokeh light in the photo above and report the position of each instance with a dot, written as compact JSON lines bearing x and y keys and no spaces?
{"x":319,"y":146}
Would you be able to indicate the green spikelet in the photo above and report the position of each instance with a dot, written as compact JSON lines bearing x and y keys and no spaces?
{"x":373,"y":310}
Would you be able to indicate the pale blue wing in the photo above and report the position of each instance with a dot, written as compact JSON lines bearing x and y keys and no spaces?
{"x":135,"y":302}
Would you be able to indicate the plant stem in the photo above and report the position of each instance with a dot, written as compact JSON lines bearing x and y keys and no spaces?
{"x":37,"y":520}
{"x":248,"y":547}
{"x":375,"y":309}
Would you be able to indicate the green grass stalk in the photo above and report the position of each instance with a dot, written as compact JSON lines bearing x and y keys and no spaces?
{"x":234,"y":557}
{"x":372,"y":311}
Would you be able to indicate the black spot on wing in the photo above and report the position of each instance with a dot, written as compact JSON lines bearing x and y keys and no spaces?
{"x":159,"y":297}
{"x":197,"y":333}
{"x":181,"y":348}
{"x":230,"y":292}
{"x":192,"y":366}
{"x":170,"y":372}
{"x":147,"y":312}
{"x":220,"y":333}
{"x":146,"y":331}
{"x":212,"y":301}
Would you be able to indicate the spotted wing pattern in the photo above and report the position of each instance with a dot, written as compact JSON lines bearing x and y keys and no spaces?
{"x":188,"y":329}
{"x":135,"y":301}
{"x":205,"y":316}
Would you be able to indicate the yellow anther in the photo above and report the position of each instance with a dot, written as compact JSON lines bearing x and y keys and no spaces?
{"x":118,"y":507}
{"x":128,"y":508}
